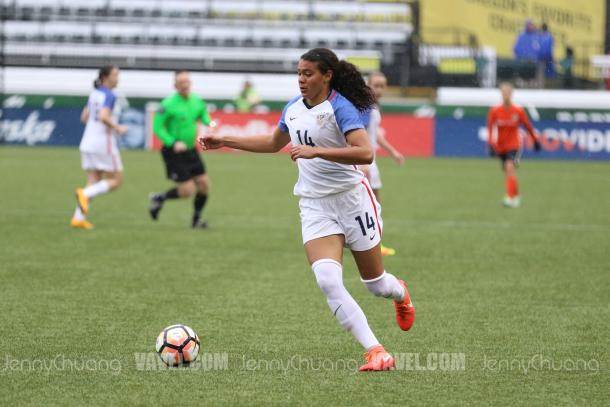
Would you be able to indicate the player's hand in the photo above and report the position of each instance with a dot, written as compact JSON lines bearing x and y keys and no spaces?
{"x":300,"y":151}
{"x":491,"y":150}
{"x":120,"y":129}
{"x":399,"y":159}
{"x":537,"y":145}
{"x":210,"y":141}
{"x":180,"y":147}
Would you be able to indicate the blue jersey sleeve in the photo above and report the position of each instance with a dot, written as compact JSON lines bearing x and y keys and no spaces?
{"x":282,"y":123}
{"x":366,"y":118}
{"x":109,"y":99}
{"x":347,"y":116}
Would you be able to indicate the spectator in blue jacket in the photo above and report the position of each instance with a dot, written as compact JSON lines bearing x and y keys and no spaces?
{"x":545,"y":55}
{"x":527,"y":46}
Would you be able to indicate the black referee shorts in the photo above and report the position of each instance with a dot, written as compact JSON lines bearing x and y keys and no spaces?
{"x":511,"y":155}
{"x":183,"y":166}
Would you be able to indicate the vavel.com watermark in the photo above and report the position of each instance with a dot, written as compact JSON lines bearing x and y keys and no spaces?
{"x":205,"y":361}
{"x":432,"y":362}
{"x":60,"y":363}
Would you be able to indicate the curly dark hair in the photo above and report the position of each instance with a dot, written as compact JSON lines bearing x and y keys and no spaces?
{"x":346,"y":78}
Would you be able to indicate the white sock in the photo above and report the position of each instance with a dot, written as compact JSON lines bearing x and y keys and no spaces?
{"x":329,"y":276}
{"x":78,"y":214}
{"x":386,"y":285}
{"x":100,"y":187}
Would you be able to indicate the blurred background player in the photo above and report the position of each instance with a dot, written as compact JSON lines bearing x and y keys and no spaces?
{"x":337,"y":205}
{"x":175,"y":124}
{"x":100,"y":156}
{"x":506,"y":118}
{"x":377,"y":82}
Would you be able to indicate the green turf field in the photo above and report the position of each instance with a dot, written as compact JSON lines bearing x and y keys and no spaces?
{"x":513,"y":305}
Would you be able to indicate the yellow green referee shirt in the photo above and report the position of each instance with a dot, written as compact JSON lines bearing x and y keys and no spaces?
{"x":176,"y":119}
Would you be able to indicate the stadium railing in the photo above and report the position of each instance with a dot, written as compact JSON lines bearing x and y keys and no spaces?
{"x":47,"y":32}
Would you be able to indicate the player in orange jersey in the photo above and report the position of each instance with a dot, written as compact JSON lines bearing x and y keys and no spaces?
{"x":507,"y":118}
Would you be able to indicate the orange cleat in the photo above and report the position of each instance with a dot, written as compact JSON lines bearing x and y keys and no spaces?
{"x":81,"y":224}
{"x":405,"y":311}
{"x":82,"y":201}
{"x":377,"y":359}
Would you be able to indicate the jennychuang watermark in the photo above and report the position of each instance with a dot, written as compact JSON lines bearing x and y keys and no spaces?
{"x":61,"y":363}
{"x":540,"y":363}
{"x":431,"y":362}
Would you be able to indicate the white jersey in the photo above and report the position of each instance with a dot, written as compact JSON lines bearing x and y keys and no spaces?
{"x":323,"y":125}
{"x":372,"y":128}
{"x":99,"y":138}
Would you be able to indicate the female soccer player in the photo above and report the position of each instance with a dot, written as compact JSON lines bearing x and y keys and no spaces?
{"x":337,"y":205}
{"x":507,"y":117}
{"x":378,"y":83}
{"x":100,"y":156}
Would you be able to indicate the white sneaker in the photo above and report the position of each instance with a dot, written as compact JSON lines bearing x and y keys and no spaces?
{"x":514,"y":202}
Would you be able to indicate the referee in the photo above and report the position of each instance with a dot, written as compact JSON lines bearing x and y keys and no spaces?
{"x":175,"y":124}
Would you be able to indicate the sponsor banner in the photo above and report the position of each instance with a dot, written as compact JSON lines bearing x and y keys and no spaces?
{"x":61,"y":126}
{"x":560,"y":140}
{"x":412,"y":136}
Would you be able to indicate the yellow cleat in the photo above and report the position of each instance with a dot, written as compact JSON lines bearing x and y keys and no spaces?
{"x":81,"y":224}
{"x":82,"y":201}
{"x":387,"y":251}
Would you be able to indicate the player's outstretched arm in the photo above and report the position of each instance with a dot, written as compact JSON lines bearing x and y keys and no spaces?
{"x":267,"y":143}
{"x":385,"y":144}
{"x":359,"y":150}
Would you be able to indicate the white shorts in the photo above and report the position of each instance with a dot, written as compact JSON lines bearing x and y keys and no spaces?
{"x":355,"y":214}
{"x":101,"y":161}
{"x":374,"y":176}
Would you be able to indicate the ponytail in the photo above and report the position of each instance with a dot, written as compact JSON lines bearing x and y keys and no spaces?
{"x":349,"y":83}
{"x":346,"y":78}
{"x":103,"y":73}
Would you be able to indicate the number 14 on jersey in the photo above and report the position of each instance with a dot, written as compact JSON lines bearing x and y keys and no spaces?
{"x":308,"y":140}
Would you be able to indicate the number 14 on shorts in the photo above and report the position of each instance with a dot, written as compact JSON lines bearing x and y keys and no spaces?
{"x":370,"y":223}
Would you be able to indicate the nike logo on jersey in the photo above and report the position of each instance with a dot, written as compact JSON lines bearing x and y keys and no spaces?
{"x":292,"y":118}
{"x":373,"y":237}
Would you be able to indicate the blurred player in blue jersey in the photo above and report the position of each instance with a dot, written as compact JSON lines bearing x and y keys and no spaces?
{"x":338,"y":207}
{"x":99,"y":151}
{"x":378,"y":83}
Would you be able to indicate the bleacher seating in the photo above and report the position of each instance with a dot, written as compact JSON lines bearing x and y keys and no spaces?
{"x":224,"y":24}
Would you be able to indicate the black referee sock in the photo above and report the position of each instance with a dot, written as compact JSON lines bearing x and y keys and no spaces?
{"x":198,"y":204}
{"x":169,"y":194}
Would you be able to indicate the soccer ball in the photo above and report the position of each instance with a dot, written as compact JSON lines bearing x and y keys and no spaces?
{"x":178,"y":345}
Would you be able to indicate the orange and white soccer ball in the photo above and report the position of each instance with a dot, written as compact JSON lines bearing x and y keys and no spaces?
{"x":178,"y":345}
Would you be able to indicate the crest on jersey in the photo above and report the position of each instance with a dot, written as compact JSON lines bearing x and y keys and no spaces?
{"x":322,"y":117}
{"x":515,"y":117}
